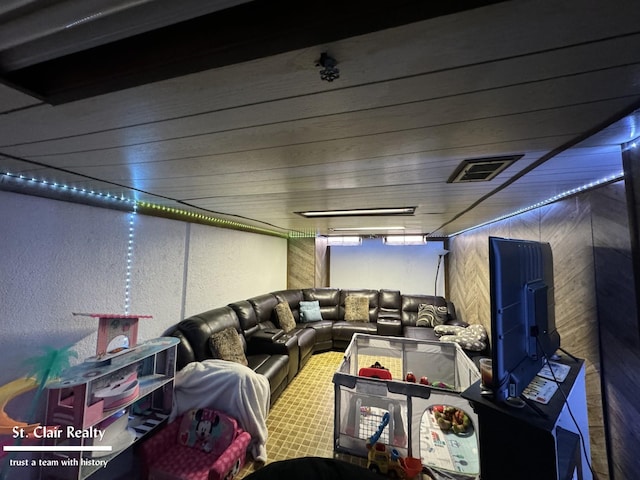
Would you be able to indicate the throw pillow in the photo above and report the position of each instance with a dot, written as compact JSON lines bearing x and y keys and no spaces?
{"x":207,"y":430}
{"x":426,"y":315}
{"x":442,"y":315}
{"x":285,"y":317}
{"x":429,"y":315}
{"x":356,"y":308}
{"x":473,"y":338}
{"x":310,"y":311}
{"x":227,"y":345}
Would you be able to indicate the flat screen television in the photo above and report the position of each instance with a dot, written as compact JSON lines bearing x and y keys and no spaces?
{"x":523,"y":330}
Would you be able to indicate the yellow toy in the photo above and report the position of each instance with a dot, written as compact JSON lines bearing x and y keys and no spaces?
{"x":9,"y":391}
{"x":380,"y":460}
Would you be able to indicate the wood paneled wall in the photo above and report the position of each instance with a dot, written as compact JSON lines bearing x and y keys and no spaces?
{"x":618,"y":324}
{"x":595,"y":307}
{"x":307,"y":263}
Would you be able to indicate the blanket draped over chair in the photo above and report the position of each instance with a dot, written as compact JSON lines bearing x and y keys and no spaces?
{"x":231,"y":388}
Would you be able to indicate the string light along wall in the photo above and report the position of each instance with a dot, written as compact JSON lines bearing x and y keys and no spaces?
{"x":59,"y":191}
{"x":24,"y":184}
{"x":130,"y":245}
{"x":302,"y":234}
{"x":596,"y":183}
{"x":163,"y":211}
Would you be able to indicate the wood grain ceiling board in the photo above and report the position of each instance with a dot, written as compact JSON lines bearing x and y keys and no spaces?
{"x":265,"y":138}
{"x":567,"y":171}
{"x":254,"y":81}
{"x":221,"y":154}
{"x":290,"y":123}
{"x":249,"y":31}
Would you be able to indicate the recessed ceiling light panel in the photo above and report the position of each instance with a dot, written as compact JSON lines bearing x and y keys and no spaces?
{"x":364,"y":229}
{"x":359,"y":212}
{"x":403,"y":240}
{"x":344,"y":241}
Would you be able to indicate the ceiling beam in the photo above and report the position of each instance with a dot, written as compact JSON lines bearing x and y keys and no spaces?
{"x":245,"y":32}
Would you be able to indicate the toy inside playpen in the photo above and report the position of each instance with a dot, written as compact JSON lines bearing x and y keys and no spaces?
{"x":431,"y":422}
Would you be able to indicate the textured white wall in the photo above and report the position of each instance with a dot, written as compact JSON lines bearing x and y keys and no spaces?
{"x":410,"y":269}
{"x":58,"y":258}
{"x":236,"y":266}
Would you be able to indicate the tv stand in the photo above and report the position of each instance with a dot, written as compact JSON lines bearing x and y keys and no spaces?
{"x":535,"y":444}
{"x":514,"y":402}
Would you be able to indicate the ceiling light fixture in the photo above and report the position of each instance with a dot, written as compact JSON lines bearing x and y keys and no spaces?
{"x":344,"y":241}
{"x":401,"y":240}
{"x":329,"y":71}
{"x":359,"y":212}
{"x":363,"y":229}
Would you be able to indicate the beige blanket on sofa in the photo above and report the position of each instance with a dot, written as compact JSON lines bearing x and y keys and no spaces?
{"x":231,"y":388}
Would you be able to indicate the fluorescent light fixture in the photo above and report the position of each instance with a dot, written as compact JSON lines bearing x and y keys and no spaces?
{"x":359,"y":212}
{"x":363,"y":229}
{"x":344,"y":241}
{"x":404,"y":240}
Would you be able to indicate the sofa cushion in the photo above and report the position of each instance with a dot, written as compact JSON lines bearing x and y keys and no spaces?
{"x":343,"y":331}
{"x":329,"y":299}
{"x":356,"y":308}
{"x":306,"y":338}
{"x":184,"y":351}
{"x":285,"y":317}
{"x":419,"y":333}
{"x":227,"y":345}
{"x":273,"y":366}
{"x":324,"y":334}
{"x":310,"y":311}
{"x":264,"y":307}
{"x":390,"y":302}
{"x":246,"y":316}
{"x":389,"y":327}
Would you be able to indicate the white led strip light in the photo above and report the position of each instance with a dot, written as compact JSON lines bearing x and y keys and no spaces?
{"x":555,"y":198}
{"x":98,"y":195}
{"x":62,"y":187}
{"x":130,"y":243}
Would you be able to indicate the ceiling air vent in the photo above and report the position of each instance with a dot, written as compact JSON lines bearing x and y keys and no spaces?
{"x":481,"y":169}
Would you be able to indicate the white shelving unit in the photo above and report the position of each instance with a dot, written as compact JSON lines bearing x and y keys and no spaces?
{"x":72,"y":402}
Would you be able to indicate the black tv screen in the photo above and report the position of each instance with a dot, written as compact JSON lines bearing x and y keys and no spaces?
{"x":523,"y":330}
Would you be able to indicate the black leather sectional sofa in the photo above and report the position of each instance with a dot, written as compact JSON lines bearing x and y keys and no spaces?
{"x":280,"y":356}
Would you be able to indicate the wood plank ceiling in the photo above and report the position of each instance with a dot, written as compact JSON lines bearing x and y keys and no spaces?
{"x":236,"y":121}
